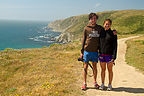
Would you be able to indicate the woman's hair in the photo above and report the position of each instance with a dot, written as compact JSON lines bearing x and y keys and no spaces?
{"x":109,"y":20}
{"x":92,"y":15}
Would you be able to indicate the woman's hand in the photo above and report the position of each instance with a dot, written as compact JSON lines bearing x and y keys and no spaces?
{"x":113,"y":61}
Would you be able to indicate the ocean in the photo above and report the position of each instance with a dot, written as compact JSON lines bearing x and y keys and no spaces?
{"x":25,"y":34}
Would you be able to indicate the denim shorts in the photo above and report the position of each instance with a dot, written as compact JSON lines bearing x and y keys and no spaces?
{"x":90,"y":56}
{"x":105,"y":58}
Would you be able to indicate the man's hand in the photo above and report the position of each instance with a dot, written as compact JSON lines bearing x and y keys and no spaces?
{"x":114,"y":32}
{"x":81,"y":56}
{"x":82,"y":51}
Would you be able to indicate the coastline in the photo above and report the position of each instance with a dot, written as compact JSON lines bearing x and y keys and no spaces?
{"x":21,"y":35}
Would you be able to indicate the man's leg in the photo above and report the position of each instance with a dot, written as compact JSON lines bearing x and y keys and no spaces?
{"x":85,"y":72}
{"x":95,"y":74}
{"x":94,"y":64}
{"x":84,"y":87}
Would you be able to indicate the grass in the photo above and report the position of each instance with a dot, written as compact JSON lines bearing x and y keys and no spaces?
{"x":52,"y":71}
{"x":135,"y":53}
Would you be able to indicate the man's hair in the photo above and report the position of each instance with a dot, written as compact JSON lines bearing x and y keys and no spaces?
{"x":92,"y":15}
{"x":109,"y":20}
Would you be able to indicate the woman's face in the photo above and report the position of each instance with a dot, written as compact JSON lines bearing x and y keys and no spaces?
{"x":93,"y":20}
{"x":107,"y":25}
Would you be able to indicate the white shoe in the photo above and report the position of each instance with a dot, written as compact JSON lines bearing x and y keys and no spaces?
{"x":109,"y":87}
{"x":101,"y":87}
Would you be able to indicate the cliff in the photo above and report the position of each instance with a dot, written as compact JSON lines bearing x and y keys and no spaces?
{"x":124,"y":21}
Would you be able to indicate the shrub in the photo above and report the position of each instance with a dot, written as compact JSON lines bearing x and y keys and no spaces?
{"x":8,"y":49}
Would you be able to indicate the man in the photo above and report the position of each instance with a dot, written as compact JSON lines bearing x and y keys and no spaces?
{"x":90,"y":46}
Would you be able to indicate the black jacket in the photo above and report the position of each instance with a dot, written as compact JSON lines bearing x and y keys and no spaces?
{"x":108,"y":44}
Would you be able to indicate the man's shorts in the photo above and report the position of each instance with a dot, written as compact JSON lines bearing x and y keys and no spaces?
{"x":90,"y":56}
{"x":105,"y":58}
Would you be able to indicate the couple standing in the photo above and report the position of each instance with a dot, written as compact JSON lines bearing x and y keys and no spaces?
{"x":103,"y":40}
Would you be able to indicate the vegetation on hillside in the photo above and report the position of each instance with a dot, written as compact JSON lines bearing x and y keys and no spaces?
{"x":55,"y":71}
{"x":124,"y":21}
{"x":45,"y":71}
{"x":135,"y":53}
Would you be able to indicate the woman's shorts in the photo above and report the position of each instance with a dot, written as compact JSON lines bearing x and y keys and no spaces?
{"x":105,"y":58}
{"x":90,"y":56}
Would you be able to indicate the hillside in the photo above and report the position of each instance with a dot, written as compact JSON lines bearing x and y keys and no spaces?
{"x":124,"y":21}
{"x":52,"y":71}
{"x":55,"y":71}
{"x":135,"y":54}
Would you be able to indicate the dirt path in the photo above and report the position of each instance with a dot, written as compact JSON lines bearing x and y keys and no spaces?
{"x":126,"y":82}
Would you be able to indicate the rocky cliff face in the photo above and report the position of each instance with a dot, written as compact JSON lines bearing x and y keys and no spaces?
{"x":62,"y":26}
{"x":65,"y":37}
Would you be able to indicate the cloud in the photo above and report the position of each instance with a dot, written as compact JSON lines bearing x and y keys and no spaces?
{"x":98,"y":4}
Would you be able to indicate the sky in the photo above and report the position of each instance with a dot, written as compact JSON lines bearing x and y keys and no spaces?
{"x":49,"y":10}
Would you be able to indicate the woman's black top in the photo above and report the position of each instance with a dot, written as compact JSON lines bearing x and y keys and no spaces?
{"x":108,"y":44}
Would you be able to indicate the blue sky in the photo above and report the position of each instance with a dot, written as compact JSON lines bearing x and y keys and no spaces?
{"x":48,"y":10}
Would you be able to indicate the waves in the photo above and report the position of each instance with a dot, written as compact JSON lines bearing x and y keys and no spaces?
{"x":45,"y":35}
{"x":20,"y":34}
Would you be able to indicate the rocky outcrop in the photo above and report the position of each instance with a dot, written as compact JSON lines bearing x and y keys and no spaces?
{"x":62,"y":26}
{"x":65,"y":37}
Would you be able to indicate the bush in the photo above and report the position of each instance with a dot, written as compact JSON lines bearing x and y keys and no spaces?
{"x":8,"y":49}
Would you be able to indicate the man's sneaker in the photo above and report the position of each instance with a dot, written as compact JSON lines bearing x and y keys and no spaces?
{"x":96,"y":85}
{"x":84,"y":87}
{"x":109,"y":87}
{"x":101,"y":87}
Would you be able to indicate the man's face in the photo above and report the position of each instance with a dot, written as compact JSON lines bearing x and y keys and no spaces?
{"x":93,"y":20}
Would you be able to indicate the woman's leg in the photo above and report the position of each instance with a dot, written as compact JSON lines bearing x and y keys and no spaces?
{"x":110,"y":71}
{"x":85,"y":71}
{"x":103,"y":68}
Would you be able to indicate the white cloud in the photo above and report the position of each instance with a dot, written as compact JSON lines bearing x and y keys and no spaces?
{"x":98,"y":4}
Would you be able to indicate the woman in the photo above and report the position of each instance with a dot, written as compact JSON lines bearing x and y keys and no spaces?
{"x":108,"y":50}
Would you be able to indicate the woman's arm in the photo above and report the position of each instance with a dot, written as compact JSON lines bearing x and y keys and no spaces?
{"x":114,"y":47}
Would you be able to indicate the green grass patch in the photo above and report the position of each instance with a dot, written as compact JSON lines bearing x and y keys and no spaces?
{"x":8,"y":49}
{"x":135,"y":53}
{"x":11,"y":90}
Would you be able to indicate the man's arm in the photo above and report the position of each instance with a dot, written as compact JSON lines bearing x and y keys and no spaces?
{"x":83,"y":41}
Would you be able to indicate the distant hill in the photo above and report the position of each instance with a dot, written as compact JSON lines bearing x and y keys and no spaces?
{"x":124,"y":21}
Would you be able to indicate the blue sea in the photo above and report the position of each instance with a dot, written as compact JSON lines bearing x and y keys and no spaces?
{"x":25,"y":34}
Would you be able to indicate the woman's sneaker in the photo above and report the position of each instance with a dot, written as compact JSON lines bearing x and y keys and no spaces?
{"x":84,"y":87}
{"x":101,"y":87}
{"x":96,"y":85}
{"x":109,"y":87}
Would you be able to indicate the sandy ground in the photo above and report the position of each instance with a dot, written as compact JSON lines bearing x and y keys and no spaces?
{"x":126,"y":81}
